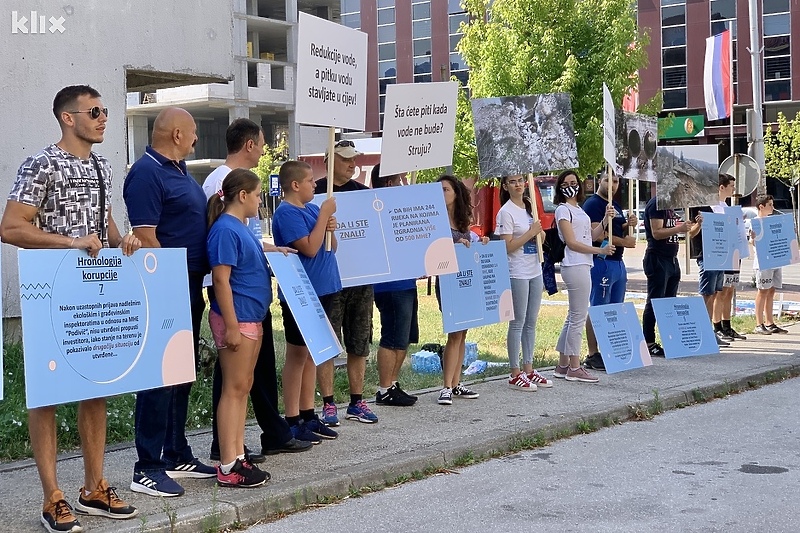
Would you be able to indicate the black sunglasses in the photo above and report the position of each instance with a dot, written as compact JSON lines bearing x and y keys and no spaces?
{"x":94,"y":112}
{"x":342,"y":144}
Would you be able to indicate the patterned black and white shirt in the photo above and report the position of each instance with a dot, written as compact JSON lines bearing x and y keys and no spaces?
{"x":66,"y":190}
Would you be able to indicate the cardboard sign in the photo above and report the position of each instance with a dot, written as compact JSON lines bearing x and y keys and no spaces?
{"x":331,"y":81}
{"x":392,"y":233}
{"x":480,"y":292}
{"x":96,"y":327}
{"x":419,"y":126}
{"x":619,"y":336}
{"x":305,"y":305}
{"x":684,"y":326}
{"x":775,"y":242}
{"x":720,"y":241}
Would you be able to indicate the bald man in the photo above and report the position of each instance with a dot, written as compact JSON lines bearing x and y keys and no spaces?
{"x":167,"y":208}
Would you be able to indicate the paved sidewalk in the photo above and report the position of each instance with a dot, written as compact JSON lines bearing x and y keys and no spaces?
{"x":408,"y":440}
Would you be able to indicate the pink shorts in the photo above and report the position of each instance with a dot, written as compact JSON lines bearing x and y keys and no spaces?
{"x":251,"y":330}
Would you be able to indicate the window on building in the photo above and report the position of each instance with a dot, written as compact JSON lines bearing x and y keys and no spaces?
{"x":458,"y":67}
{"x":387,"y":51}
{"x":673,"y":53}
{"x":421,"y":44}
{"x":777,"y":51}
{"x":351,"y":13}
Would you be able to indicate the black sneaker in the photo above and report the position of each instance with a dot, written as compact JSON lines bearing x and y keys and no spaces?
{"x":730,"y":332}
{"x":761,"y":329}
{"x":656,"y":350}
{"x":254,"y":458}
{"x":721,"y":335}
{"x":774,"y":328}
{"x":394,"y":397}
{"x":721,"y":342}
{"x":319,"y":429}
{"x":301,"y":432}
{"x":292,"y":446}
{"x":404,"y":393}
{"x":594,"y":362}
{"x":243,"y":475}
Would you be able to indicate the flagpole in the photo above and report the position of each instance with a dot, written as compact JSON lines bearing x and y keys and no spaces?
{"x":730,"y":37}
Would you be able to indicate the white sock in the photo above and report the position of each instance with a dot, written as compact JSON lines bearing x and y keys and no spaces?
{"x":226,"y":469}
{"x":383,"y":390}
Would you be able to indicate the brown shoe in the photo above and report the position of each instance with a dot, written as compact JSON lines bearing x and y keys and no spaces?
{"x":103,"y":501}
{"x":57,"y":515}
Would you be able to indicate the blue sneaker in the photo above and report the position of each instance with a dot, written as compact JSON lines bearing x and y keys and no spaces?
{"x":361,"y":412}
{"x":301,"y":432}
{"x":193,"y":469}
{"x":156,"y":483}
{"x":330,"y":415}
{"x":319,"y":429}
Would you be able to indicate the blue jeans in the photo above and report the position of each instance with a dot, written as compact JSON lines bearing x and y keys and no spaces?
{"x":161,"y":413}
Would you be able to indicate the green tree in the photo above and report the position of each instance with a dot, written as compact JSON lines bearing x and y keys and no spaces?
{"x":519,"y":47}
{"x":782,"y":154}
{"x":271,"y":161}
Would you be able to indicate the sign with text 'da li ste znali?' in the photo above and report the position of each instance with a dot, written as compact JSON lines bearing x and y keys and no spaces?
{"x":418,"y":127}
{"x":331,"y":81}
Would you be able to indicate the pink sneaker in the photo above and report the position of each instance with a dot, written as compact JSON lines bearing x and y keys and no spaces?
{"x":521,"y":382}
{"x":539,"y":380}
{"x":580,"y":374}
{"x":560,"y":371}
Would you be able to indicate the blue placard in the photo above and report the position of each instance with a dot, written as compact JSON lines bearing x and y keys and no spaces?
{"x":720,"y":242}
{"x":254,"y":223}
{"x":96,"y":327}
{"x":274,"y":185}
{"x":619,"y":336}
{"x":684,"y":326}
{"x":480,"y":292}
{"x":392,"y":233}
{"x":2,"y":368}
{"x":305,"y":306}
{"x":775,"y":241}
{"x":741,"y":231}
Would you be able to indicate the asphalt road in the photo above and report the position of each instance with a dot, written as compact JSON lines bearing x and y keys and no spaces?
{"x":729,"y":465}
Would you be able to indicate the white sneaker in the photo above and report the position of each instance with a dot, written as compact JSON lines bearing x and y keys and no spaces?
{"x":446,"y":396}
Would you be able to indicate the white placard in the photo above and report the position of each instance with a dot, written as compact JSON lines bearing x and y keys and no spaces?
{"x":419,"y":125}
{"x":609,"y":129}
{"x":331,"y":77}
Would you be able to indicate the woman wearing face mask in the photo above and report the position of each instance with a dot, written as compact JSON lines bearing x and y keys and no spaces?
{"x":575,"y":229}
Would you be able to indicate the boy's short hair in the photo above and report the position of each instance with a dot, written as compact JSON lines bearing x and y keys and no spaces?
{"x":292,"y":171}
{"x":725,"y":179}
{"x":762,"y":200}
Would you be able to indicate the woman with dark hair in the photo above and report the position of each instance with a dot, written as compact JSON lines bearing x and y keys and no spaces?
{"x":575,"y":229}
{"x":459,"y":211}
{"x":243,"y":293}
{"x":515,"y":225}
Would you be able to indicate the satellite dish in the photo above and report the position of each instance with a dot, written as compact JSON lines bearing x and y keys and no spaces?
{"x":745,"y":169}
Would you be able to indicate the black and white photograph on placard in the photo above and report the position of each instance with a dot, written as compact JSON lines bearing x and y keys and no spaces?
{"x":637,"y":141}
{"x":522,"y":134}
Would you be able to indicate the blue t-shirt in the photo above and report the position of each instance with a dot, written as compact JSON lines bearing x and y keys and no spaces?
{"x":232,"y":243}
{"x":661,"y":247}
{"x":394,"y":286}
{"x":160,"y":192}
{"x":595,"y":207}
{"x":290,"y":223}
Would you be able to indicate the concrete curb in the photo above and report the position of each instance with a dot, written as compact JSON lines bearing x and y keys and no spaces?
{"x":326,"y":487}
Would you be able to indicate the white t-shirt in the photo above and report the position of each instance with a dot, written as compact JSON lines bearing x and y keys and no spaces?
{"x":524,"y":262}
{"x":581,"y":227}
{"x":213,"y":182}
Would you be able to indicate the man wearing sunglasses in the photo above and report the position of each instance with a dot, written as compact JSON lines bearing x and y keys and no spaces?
{"x":351,"y":316}
{"x":167,"y":208}
{"x":61,"y":199}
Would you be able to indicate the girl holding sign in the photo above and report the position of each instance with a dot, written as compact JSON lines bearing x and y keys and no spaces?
{"x":243,"y":293}
{"x":516,"y":226}
{"x":575,"y":229}
{"x":459,"y":211}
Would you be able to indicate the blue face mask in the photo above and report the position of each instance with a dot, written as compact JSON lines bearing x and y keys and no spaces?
{"x":570,"y":191}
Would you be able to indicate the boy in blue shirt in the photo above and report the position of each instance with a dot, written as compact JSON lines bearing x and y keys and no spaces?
{"x":301,"y":225}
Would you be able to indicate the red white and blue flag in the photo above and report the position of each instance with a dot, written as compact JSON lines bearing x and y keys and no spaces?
{"x":717,"y":79}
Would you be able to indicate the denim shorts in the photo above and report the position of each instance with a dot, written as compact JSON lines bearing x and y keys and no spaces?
{"x":290,"y":329}
{"x":399,"y":324}
{"x":709,"y":281}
